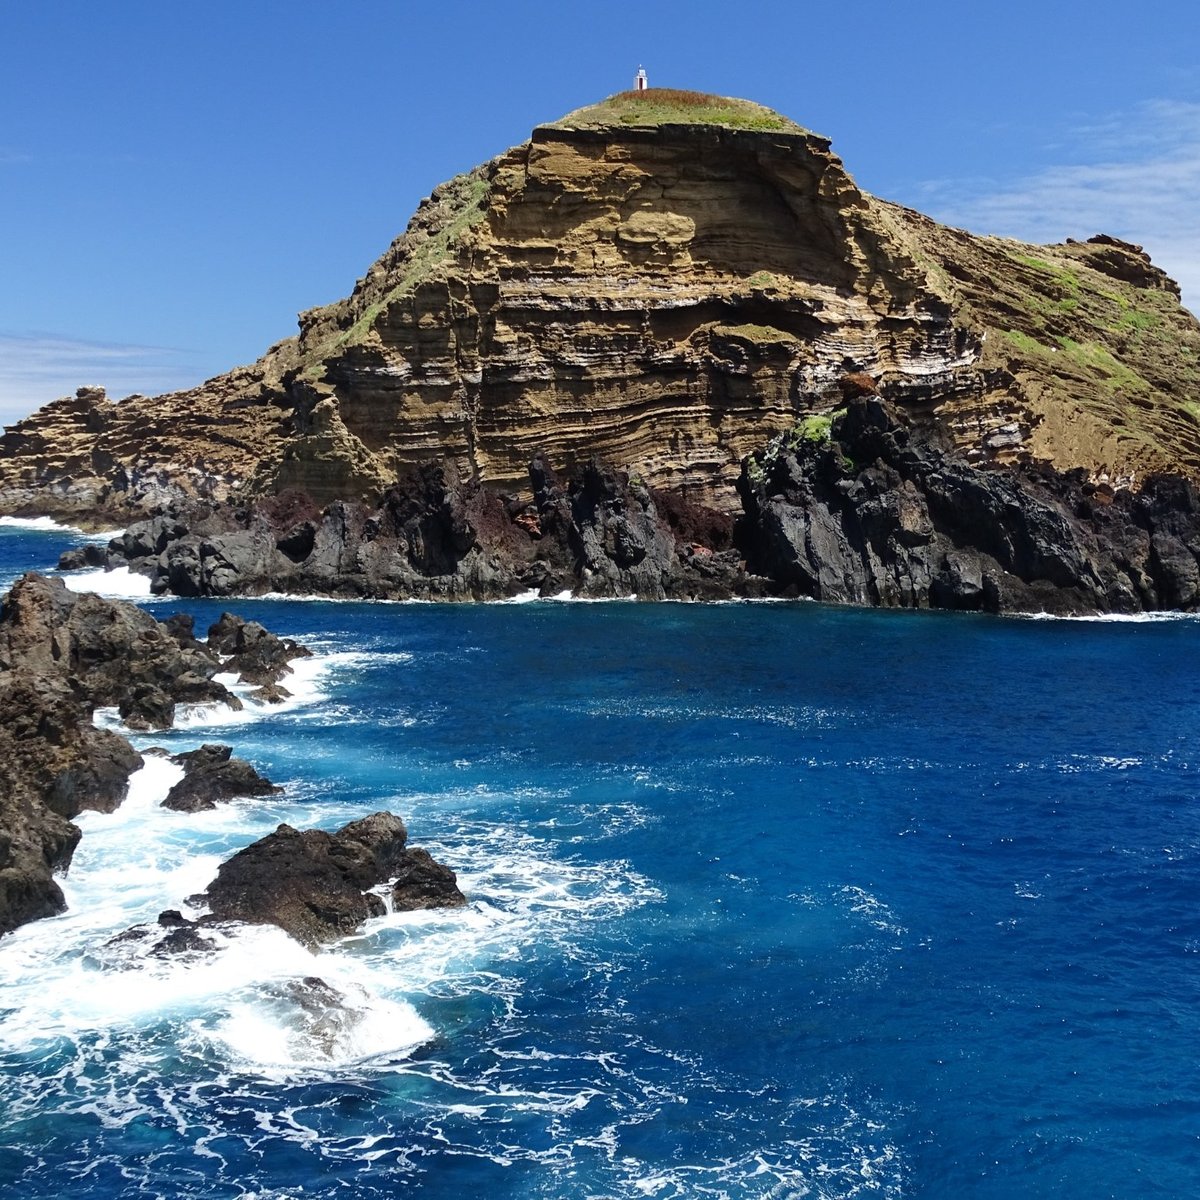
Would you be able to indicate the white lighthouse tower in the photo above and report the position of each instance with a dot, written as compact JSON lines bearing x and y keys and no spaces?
{"x":641,"y":83}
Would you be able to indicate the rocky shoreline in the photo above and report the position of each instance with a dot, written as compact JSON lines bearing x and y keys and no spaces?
{"x":867,"y":505}
{"x":64,"y":655}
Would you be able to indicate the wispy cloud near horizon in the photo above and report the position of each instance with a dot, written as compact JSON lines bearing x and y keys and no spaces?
{"x":1135,"y":176}
{"x":36,"y":368}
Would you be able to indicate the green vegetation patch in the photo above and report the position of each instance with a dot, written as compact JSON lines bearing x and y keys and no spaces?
{"x":1038,"y":264}
{"x":674,"y":106}
{"x":1115,"y":373}
{"x":1089,"y":357}
{"x":817,"y":429}
{"x":1023,"y":342}
{"x":1137,"y":320}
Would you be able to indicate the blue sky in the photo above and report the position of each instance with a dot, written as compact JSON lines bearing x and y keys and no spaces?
{"x":179,"y":179}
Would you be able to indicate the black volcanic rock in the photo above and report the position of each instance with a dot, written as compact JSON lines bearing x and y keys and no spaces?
{"x":61,"y":656}
{"x":423,"y":882}
{"x":313,"y":885}
{"x":434,"y":535}
{"x":53,"y":765}
{"x":869,"y":506}
{"x":879,"y":510}
{"x":112,"y":652}
{"x":255,"y":654}
{"x":213,"y":776}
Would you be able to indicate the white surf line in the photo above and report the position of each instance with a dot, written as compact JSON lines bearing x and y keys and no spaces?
{"x":118,"y":584}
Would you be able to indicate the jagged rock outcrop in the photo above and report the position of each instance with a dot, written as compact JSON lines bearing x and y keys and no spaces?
{"x":212,"y":776}
{"x":111,"y":653}
{"x":53,"y":765}
{"x":434,"y":536}
{"x":62,"y":655}
{"x":662,"y":282}
{"x":870,"y":508}
{"x":314,"y":885}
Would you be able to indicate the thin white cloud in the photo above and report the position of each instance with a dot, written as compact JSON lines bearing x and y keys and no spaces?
{"x":1136,"y":177}
{"x":38,"y":368}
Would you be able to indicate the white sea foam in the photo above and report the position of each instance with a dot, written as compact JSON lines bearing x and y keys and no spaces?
{"x":273,"y":1032}
{"x":569,"y":597}
{"x":307,"y":684}
{"x":50,"y":525}
{"x":523,"y":597}
{"x":315,"y":598}
{"x":61,"y":978}
{"x":118,"y":584}
{"x":1142,"y":618}
{"x":41,"y":524}
{"x":130,"y":865}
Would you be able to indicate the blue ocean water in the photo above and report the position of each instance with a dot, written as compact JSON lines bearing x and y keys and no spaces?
{"x":767,"y":901}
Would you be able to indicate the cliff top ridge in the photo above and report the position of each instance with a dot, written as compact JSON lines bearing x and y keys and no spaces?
{"x":675,"y":106}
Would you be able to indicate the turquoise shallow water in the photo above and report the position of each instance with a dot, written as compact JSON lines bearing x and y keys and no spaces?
{"x":767,"y":901}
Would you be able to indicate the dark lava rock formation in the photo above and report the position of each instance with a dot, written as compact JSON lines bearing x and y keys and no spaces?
{"x":212,"y":776}
{"x":53,"y":765}
{"x":314,"y":885}
{"x":435,"y":536}
{"x":866,"y":505}
{"x":111,"y":653}
{"x":870,"y":508}
{"x":62,"y":655}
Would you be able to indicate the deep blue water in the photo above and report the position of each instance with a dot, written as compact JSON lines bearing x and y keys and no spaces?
{"x":766,"y":901}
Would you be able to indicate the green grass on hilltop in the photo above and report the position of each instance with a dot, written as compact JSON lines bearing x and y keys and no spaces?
{"x":674,"y":106}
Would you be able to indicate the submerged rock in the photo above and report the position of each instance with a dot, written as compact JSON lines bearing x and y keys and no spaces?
{"x":172,"y":935}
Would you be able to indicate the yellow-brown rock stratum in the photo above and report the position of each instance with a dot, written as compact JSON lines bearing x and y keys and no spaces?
{"x":664,"y":280}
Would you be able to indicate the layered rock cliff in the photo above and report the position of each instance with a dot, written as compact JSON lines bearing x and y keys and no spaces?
{"x":662,"y":281}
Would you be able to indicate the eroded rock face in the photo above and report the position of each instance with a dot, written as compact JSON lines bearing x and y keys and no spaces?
{"x":436,"y":536}
{"x":313,"y":885}
{"x":662,"y":299}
